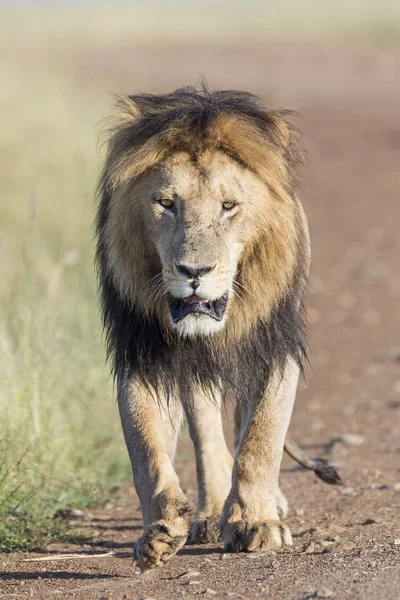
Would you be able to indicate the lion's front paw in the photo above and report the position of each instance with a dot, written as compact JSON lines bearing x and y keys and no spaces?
{"x":156,"y":546}
{"x":244,"y":536}
{"x":204,"y":531}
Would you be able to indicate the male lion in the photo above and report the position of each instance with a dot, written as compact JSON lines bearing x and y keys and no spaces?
{"x":203,"y":254}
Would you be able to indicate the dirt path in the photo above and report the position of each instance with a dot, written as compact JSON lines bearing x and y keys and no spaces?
{"x":346,"y":540}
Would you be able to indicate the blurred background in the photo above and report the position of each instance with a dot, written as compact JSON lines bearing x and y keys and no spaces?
{"x":338,"y":63}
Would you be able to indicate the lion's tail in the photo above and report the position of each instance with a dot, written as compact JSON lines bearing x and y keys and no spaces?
{"x":321,"y":467}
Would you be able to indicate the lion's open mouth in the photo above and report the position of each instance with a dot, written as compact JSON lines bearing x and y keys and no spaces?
{"x":181,"y":307}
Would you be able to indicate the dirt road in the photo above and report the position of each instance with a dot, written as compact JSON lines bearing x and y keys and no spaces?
{"x":346,"y":540}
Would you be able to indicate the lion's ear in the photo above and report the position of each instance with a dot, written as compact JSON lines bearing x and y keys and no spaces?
{"x":283,"y":132}
{"x":128,"y":110}
{"x":144,"y":105}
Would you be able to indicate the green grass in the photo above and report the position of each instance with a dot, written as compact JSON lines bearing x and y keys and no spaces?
{"x":60,"y":438}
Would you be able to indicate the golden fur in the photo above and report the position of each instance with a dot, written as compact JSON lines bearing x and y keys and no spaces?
{"x":279,"y":238}
{"x":173,"y":163}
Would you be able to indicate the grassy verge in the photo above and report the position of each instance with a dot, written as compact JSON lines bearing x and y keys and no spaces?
{"x":60,"y":439}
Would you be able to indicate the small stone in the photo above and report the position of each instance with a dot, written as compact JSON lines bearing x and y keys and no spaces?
{"x":348,"y":491}
{"x":396,"y":486}
{"x":310,"y":548}
{"x":188,"y":574}
{"x":369,"y":522}
{"x":352,"y":439}
{"x":225,"y":556}
{"x":252,"y":555}
{"x":275,"y":564}
{"x":397,"y":542}
{"x":193,"y":582}
{"x":209,"y":591}
{"x":299,"y":512}
{"x":324,"y":593}
{"x":344,"y":547}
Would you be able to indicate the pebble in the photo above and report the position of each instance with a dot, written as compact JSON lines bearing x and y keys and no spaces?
{"x":396,"y":486}
{"x":344,"y":547}
{"x":397,"y":542}
{"x":225,"y":556}
{"x":310,"y":548}
{"x":348,"y":491}
{"x":324,"y":593}
{"x":188,"y":575}
{"x":209,"y":591}
{"x":352,"y":439}
{"x":369,"y":522}
{"x":256,"y":554}
{"x":275,"y":564}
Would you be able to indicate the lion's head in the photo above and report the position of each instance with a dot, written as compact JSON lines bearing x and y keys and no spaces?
{"x":199,"y":225}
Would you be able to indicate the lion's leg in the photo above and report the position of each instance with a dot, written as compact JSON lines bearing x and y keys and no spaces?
{"x":282,"y":503}
{"x":151,"y":429}
{"x":213,"y":464}
{"x":250,"y":519}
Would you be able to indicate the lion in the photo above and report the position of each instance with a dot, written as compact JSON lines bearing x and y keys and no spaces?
{"x":203,"y":254}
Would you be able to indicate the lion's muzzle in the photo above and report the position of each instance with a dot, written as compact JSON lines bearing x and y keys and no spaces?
{"x":181,"y":307}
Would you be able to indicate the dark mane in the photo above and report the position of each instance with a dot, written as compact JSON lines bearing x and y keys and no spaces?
{"x":187,"y":120}
{"x":138,"y":345}
{"x":149,"y":128}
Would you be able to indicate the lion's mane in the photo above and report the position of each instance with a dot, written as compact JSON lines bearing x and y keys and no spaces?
{"x":267,"y":326}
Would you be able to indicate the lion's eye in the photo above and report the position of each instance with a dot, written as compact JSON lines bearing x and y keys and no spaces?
{"x":166,"y":202}
{"x":228,"y":205}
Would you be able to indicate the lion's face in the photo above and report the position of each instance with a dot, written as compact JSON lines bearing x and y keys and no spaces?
{"x":197,"y":213}
{"x":199,"y":228}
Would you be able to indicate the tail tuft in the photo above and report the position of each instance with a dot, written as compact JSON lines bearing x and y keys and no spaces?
{"x":327,"y":472}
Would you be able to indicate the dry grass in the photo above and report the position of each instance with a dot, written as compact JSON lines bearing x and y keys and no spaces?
{"x":60,"y":433}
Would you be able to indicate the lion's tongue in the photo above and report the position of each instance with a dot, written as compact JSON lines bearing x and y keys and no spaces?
{"x":193,"y":298}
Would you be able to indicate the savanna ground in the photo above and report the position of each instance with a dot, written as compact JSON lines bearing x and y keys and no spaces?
{"x":61,"y":445}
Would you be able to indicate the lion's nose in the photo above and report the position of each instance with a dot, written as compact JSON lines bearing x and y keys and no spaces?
{"x":193,"y":272}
